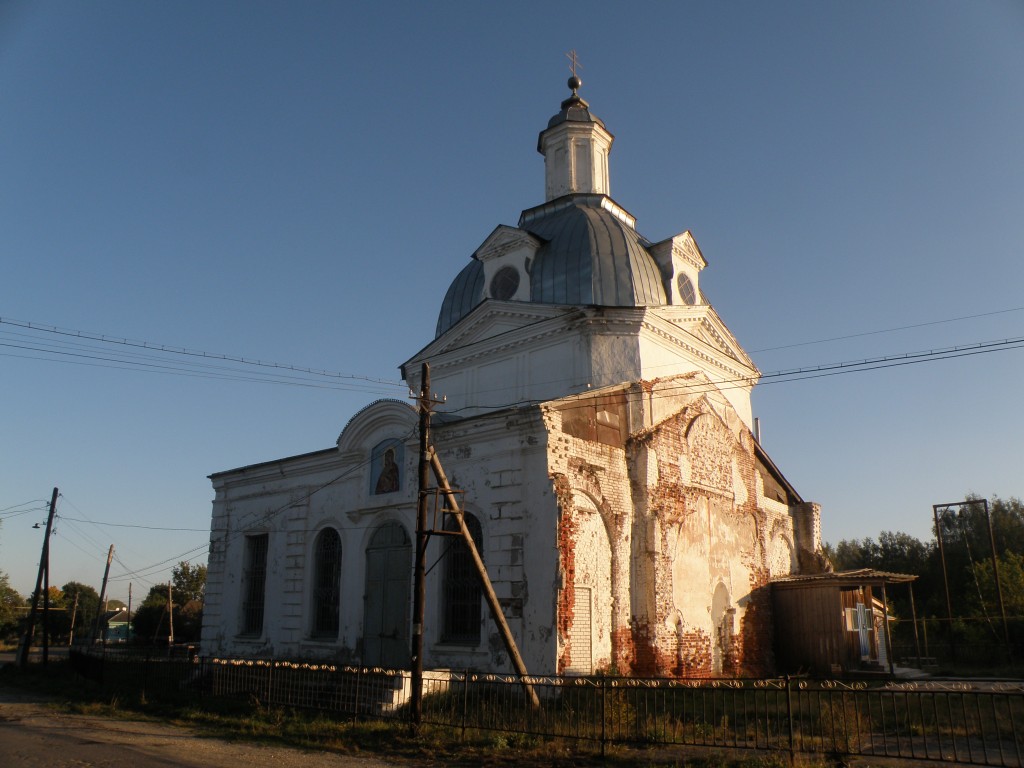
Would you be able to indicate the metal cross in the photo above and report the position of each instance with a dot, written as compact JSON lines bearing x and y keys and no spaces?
{"x":571,"y":56}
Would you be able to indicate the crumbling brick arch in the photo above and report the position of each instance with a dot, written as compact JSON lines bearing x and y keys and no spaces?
{"x":723,"y":615}
{"x":781,"y":550}
{"x":585,"y":597}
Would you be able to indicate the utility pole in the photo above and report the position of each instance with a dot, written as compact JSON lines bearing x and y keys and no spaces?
{"x":26,"y":642}
{"x":999,"y":586}
{"x":995,"y":569}
{"x":170,"y":617}
{"x":129,"y":635}
{"x":74,"y":613}
{"x":103,"y":596}
{"x":46,"y":602}
{"x":945,"y":575}
{"x":422,"y":537}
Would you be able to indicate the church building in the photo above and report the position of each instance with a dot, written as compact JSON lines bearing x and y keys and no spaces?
{"x":598,"y":429}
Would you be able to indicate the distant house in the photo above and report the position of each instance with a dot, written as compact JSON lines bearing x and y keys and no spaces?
{"x":597,"y":420}
{"x":834,"y":623}
{"x":115,"y":626}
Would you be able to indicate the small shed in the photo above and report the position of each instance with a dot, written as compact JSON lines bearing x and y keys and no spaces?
{"x":834,"y":623}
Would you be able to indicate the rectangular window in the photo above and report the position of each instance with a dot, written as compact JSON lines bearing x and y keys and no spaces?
{"x":254,"y":583}
{"x":462,"y":590}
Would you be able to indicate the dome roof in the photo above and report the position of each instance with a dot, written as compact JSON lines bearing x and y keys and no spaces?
{"x":591,"y":255}
{"x":587,"y":248}
{"x":465,"y":292}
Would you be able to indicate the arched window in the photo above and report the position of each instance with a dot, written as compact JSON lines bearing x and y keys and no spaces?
{"x":326,"y":583}
{"x":461,"y":585}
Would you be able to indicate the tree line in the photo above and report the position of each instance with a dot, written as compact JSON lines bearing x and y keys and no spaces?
{"x":970,"y":571}
{"x":75,"y":606}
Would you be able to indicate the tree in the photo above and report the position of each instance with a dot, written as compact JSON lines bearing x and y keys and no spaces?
{"x":11,"y":604}
{"x":88,"y":606}
{"x":151,"y":616}
{"x":189,"y":582}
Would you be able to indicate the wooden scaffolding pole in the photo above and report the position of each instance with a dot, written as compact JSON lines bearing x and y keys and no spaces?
{"x":485,"y":580}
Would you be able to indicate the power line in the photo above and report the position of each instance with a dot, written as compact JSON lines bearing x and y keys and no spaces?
{"x":887,"y":330}
{"x":23,"y":504}
{"x":183,"y":371}
{"x":189,"y":352}
{"x":132,"y":525}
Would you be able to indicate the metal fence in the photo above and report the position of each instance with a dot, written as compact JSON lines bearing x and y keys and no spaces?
{"x":939,"y":720}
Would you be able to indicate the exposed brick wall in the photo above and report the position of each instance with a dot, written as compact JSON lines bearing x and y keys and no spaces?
{"x":566,"y":540}
{"x":691,"y":536}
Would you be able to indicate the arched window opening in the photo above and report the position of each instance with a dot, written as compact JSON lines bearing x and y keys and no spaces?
{"x":327,"y":583}
{"x":461,"y":585}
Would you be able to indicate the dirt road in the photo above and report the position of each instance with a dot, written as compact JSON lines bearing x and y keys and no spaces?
{"x":35,"y":736}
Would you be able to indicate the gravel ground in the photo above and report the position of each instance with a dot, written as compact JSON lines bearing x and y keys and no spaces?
{"x":34,"y":735}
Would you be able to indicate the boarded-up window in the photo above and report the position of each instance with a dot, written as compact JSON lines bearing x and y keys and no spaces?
{"x":581,"y":642}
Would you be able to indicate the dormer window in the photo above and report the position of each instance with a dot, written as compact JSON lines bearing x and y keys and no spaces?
{"x":687,"y":292}
{"x":505,"y":283}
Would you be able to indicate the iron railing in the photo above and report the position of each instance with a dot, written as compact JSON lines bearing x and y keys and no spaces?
{"x":976,"y":722}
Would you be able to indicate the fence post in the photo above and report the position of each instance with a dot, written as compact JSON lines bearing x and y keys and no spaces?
{"x":603,"y":711}
{"x":465,"y":704}
{"x":355,"y":698}
{"x":789,"y":718}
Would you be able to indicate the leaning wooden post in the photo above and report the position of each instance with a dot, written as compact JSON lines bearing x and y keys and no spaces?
{"x":485,"y":581}
{"x":913,"y":616}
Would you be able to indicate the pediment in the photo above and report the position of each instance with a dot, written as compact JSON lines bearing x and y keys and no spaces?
{"x":707,"y":333}
{"x":703,"y":325}
{"x":491,"y":320}
{"x":505,"y":239}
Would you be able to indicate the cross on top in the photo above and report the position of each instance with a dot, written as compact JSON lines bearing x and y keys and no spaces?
{"x":571,"y":56}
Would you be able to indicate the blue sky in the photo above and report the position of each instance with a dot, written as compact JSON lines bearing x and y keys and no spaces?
{"x":299,"y":182}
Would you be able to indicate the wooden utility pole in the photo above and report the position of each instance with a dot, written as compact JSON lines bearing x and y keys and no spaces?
{"x":46,"y":602}
{"x":103,"y":596}
{"x":485,"y":580}
{"x":74,"y":613}
{"x":129,"y":633}
{"x":422,"y":537}
{"x":44,"y":559}
{"x":170,"y":616}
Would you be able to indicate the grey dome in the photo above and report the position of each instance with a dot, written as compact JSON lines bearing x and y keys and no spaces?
{"x":590,"y":256}
{"x":465,"y":292}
